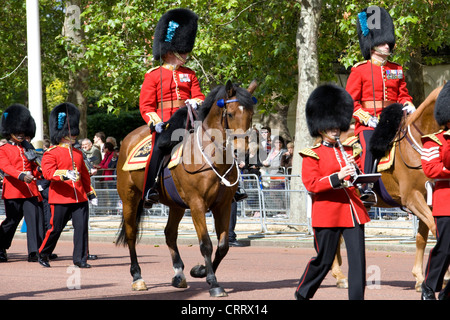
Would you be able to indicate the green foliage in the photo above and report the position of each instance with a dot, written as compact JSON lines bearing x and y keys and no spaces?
{"x":117,"y":126}
{"x":238,"y":40}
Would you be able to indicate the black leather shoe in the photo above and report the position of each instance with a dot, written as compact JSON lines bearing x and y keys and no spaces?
{"x":3,"y":255}
{"x":83,"y":265}
{"x":240,"y":195}
{"x":33,"y":257}
{"x":427,"y":293}
{"x":92,"y":257}
{"x":43,"y":261}
{"x":235,"y":243}
{"x":53,"y":256}
{"x":298,"y":296}
{"x":445,"y":293}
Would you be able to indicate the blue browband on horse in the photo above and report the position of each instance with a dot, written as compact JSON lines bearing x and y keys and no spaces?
{"x":221,"y":102}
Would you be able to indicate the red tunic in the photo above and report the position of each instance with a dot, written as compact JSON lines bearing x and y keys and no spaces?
{"x":433,"y":167}
{"x":55,"y":163}
{"x":178,"y":85}
{"x":13,"y":163}
{"x":390,"y":85}
{"x":332,"y":205}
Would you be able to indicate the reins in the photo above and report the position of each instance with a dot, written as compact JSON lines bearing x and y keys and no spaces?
{"x":406,"y":134}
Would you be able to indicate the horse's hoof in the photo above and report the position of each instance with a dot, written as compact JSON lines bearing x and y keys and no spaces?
{"x":198,"y":271}
{"x":217,"y":292}
{"x":342,"y":284}
{"x":418,"y":287}
{"x":139,"y":285}
{"x":179,"y":282}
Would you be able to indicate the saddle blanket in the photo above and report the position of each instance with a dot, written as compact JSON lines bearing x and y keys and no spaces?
{"x":386,"y":162}
{"x":138,"y":157}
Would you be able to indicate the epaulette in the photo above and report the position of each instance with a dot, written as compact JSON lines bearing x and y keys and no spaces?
{"x":447,"y":133}
{"x":309,"y":152}
{"x":360,"y":63}
{"x":433,"y":137}
{"x":350,"y":141}
{"x":154,"y":68}
{"x":353,"y":142}
{"x":51,"y":148}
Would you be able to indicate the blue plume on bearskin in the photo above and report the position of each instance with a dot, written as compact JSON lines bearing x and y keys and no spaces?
{"x":60,"y":117}
{"x":380,"y":29}
{"x":442,"y":106}
{"x":329,"y":106}
{"x":17,"y":119}
{"x":176,"y":31}
{"x":387,"y":128}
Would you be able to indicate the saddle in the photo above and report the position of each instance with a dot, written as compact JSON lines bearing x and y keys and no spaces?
{"x":383,"y":145}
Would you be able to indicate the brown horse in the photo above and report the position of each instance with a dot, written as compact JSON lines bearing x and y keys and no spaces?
{"x":405,"y":181}
{"x":203,"y":181}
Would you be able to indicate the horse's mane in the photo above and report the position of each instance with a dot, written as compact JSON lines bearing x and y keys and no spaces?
{"x":219,"y":92}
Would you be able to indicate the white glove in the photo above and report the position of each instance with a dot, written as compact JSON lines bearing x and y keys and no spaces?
{"x":159,"y":127}
{"x":409,"y":108}
{"x":72,"y":175}
{"x":373,"y":122}
{"x":193,"y":103}
{"x":94,"y":202}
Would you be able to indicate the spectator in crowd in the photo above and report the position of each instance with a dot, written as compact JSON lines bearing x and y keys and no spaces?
{"x":104,"y":164}
{"x":273,"y":160}
{"x":112,"y":140}
{"x":252,"y":164}
{"x":286,"y":158}
{"x":265,"y":141}
{"x":91,"y":151}
{"x":99,"y":142}
{"x":232,"y":241}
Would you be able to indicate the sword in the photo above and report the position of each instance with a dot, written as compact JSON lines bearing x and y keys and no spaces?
{"x":70,"y":139}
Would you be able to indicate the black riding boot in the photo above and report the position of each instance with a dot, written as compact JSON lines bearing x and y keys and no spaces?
{"x":151,"y":195}
{"x":368,"y":197}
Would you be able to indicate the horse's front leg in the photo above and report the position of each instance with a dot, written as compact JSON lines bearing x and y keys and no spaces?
{"x":336,"y":272}
{"x":130,"y":227}
{"x":171,"y":233}
{"x":206,"y":248}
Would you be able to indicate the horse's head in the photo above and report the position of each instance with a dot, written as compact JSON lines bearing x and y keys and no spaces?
{"x":237,"y":114}
{"x":227,"y":114}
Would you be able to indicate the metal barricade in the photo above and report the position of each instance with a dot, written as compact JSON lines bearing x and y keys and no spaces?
{"x":272,"y":207}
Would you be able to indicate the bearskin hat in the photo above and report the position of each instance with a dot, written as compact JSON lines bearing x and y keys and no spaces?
{"x":328,"y":107}
{"x":17,"y":119}
{"x":374,"y":26}
{"x":61,"y":116}
{"x":176,"y":31}
{"x":442,"y":106}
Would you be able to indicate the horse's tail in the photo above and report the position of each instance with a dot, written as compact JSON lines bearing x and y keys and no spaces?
{"x":122,"y":236}
{"x":387,"y":128}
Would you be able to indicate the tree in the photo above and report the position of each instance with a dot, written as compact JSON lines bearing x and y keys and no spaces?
{"x":308,"y":80}
{"x":78,"y":73}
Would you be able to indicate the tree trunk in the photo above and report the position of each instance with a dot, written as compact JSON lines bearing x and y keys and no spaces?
{"x":414,"y":78}
{"x":277,"y":122}
{"x":77,"y":79}
{"x":308,"y":80}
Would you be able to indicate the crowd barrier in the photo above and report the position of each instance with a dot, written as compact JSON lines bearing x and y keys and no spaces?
{"x":272,"y":208}
{"x":276,"y":205}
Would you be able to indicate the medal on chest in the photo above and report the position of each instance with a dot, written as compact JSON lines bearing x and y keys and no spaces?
{"x":184,"y":77}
